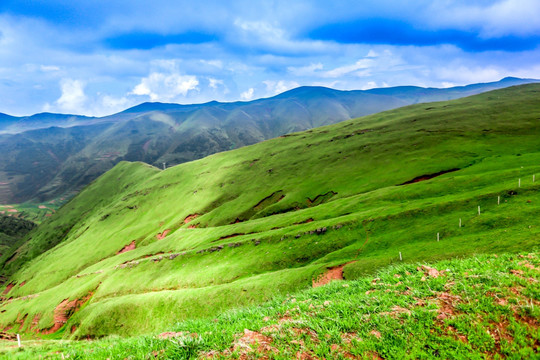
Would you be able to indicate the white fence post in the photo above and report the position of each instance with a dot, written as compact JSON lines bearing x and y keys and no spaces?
{"x":19,"y":340}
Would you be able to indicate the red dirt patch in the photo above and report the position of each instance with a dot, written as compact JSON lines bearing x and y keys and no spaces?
{"x":333,"y":273}
{"x":251,"y":338}
{"x":64,"y":311}
{"x":304,"y":355}
{"x":129,"y":247}
{"x":8,"y":288}
{"x":397,"y":310}
{"x":191,"y":217}
{"x":170,"y":335}
{"x":22,"y":284}
{"x":447,"y":302}
{"x":429,"y":271}
{"x":163,"y":234}
{"x":307,"y":332}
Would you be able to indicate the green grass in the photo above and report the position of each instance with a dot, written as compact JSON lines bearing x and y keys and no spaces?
{"x":475,"y":308}
{"x":345,"y":178}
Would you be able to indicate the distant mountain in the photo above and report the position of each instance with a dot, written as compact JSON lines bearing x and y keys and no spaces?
{"x":12,"y":125}
{"x":46,"y":155}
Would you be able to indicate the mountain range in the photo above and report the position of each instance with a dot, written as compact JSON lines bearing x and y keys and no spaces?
{"x":47,"y":156}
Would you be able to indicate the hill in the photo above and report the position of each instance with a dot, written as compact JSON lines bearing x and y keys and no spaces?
{"x":50,"y":156}
{"x":409,"y":311}
{"x":141,"y":248}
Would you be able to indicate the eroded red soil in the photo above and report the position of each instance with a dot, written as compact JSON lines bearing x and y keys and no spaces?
{"x":333,"y":273}
{"x":129,"y":247}
{"x":162,"y":235}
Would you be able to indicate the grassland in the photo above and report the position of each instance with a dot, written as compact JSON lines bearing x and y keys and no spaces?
{"x":141,"y":249}
{"x":482,"y":307}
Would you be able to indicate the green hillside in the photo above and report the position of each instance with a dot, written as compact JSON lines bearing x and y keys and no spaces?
{"x":480,"y":307}
{"x":141,"y":249}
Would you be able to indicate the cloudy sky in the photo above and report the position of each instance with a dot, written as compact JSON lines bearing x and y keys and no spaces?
{"x":101,"y":56}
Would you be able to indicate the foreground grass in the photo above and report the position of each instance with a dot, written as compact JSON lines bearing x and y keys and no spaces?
{"x":486,"y":306}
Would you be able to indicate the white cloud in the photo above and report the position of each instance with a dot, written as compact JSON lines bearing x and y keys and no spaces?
{"x":272,"y":37}
{"x":277,"y":87}
{"x":372,"y":54}
{"x":369,"y":85}
{"x":73,"y":98}
{"x":49,"y":68}
{"x":215,"y":63}
{"x":111,"y":104}
{"x":468,"y":75}
{"x":308,"y":70}
{"x":165,"y":87}
{"x":347,"y":69}
{"x":507,"y":17}
{"x":214,"y":83}
{"x":260,"y":29}
{"x":247,"y":95}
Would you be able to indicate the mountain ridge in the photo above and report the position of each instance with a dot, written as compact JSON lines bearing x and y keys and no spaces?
{"x":160,"y":106}
{"x":57,"y":161}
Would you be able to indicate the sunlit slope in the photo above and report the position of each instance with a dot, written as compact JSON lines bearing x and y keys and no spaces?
{"x":238,"y":227}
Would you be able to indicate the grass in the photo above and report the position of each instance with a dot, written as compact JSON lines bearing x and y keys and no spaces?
{"x":259,"y":211}
{"x":486,"y":306}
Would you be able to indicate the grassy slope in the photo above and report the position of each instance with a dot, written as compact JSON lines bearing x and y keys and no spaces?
{"x":485,"y":306}
{"x":493,"y":138}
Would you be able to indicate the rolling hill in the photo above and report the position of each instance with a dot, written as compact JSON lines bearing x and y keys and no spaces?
{"x":140,"y":248}
{"x":408,"y":311}
{"x":47,"y":156}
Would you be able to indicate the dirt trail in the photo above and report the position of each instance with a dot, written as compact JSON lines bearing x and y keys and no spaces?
{"x":333,"y":273}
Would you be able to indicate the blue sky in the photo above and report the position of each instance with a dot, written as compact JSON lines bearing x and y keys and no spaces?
{"x":99,"y":57}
